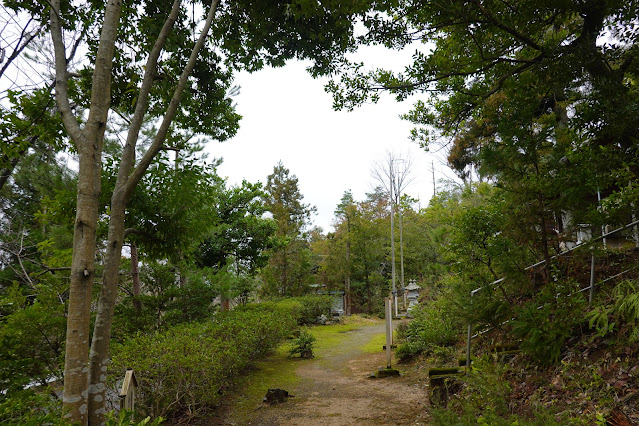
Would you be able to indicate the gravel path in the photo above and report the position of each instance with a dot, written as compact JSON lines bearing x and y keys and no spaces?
{"x":336,"y":389}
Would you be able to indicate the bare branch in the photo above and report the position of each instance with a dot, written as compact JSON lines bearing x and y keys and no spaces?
{"x":23,"y":41}
{"x":393,"y":173}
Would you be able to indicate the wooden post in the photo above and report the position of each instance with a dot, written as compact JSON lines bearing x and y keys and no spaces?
{"x":389,"y":331}
{"x":128,"y":391}
{"x":405,"y":299}
{"x":468,"y":339}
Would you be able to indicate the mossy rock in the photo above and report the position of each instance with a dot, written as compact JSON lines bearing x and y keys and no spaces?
{"x":276,"y":396}
{"x":442,"y":387}
{"x":444,"y":371}
{"x":385,"y":372}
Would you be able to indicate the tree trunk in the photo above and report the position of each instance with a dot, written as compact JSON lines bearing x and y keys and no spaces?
{"x":129,"y":175}
{"x":98,"y":358}
{"x":401,"y":253}
{"x":135,"y":277}
{"x":544,"y":239}
{"x":368,"y":291}
{"x":224,"y":305}
{"x":348,"y":267}
{"x":89,"y":142}
{"x":82,"y":274}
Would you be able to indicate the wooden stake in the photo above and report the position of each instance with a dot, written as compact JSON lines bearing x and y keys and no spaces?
{"x":389,"y":331}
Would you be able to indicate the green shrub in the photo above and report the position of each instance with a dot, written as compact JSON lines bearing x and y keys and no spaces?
{"x":184,"y":370}
{"x":623,"y":310}
{"x":545,"y":324}
{"x":164,"y":302}
{"x":29,"y":407}
{"x":303,"y":345}
{"x":304,"y":309}
{"x":127,"y":418}
{"x":431,"y":327}
{"x":484,"y":400}
{"x":312,"y":307}
{"x":31,"y":339}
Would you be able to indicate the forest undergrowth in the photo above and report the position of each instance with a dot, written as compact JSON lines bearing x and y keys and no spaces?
{"x":557,"y":361}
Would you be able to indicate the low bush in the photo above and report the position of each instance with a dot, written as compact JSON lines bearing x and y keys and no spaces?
{"x":431,"y":327}
{"x":303,"y":345}
{"x":484,"y":400}
{"x":31,"y":407}
{"x":127,"y":418}
{"x":304,"y":309}
{"x":547,"y":322}
{"x":314,"y":306}
{"x":620,"y":313}
{"x":184,"y":370}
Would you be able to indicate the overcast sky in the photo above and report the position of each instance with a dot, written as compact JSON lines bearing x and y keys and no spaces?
{"x":288,"y":116}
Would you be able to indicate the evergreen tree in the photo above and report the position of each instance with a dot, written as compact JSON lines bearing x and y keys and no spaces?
{"x":290,"y":265}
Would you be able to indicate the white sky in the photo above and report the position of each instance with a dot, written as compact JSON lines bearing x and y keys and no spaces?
{"x":288,"y":116}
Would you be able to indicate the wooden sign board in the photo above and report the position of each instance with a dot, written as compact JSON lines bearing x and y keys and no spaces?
{"x":127,"y":393}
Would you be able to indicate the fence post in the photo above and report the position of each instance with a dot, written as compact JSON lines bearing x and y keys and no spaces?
{"x":592,"y":278}
{"x":389,"y":331}
{"x":470,"y":330}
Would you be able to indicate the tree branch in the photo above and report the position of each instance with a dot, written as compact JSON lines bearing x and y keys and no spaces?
{"x":521,"y":37}
{"x":61,"y":268}
{"x":62,"y":78}
{"x":128,"y":157}
{"x":24,"y":271}
{"x":525,"y":64}
{"x":21,"y":44}
{"x":171,"y":112}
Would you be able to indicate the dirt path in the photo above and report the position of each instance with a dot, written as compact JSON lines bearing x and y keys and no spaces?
{"x":335,"y":388}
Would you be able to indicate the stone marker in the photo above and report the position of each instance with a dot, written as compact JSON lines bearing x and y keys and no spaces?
{"x":276,"y":396}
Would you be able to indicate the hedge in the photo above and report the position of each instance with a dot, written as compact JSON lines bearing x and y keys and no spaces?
{"x":184,"y":370}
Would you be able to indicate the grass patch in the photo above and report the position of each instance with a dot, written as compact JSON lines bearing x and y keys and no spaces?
{"x":278,"y":370}
{"x":330,"y":336}
{"x":359,"y":320}
{"x":376,"y":344}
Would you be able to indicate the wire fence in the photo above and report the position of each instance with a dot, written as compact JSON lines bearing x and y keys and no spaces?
{"x":587,"y":244}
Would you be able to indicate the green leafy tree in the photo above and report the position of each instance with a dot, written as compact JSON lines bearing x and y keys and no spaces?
{"x":421,"y":256}
{"x":146,"y":60}
{"x":171,"y":207}
{"x":28,"y":123}
{"x":169,"y":295}
{"x":537,"y":97}
{"x":35,"y":242}
{"x":237,"y":241}
{"x":239,"y":233}
{"x":366,"y":232}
